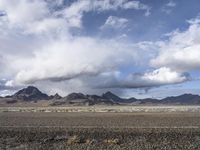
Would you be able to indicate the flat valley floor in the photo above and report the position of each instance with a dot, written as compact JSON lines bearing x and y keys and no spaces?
{"x":99,"y":131}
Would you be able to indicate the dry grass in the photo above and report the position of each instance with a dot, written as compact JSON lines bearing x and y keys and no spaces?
{"x":73,"y":140}
{"x":111,"y":141}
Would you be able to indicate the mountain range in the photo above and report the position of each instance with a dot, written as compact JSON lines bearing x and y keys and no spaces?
{"x":33,"y":94}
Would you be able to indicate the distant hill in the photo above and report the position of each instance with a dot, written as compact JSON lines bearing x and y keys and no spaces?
{"x":74,"y":96}
{"x":81,"y":99}
{"x":182,"y":99}
{"x":55,"y":97}
{"x":34,"y":94}
{"x":110,"y":96}
{"x":29,"y":94}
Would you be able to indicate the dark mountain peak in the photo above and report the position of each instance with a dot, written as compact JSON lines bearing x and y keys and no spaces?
{"x":183,"y":99}
{"x":55,"y":97}
{"x":109,"y":93}
{"x":181,"y":96}
{"x":74,"y":96}
{"x":111,"y":96}
{"x":28,"y":90}
{"x":30,"y":93}
{"x":31,"y":87}
{"x":189,"y":95}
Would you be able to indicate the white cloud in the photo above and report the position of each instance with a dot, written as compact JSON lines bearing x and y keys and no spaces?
{"x":45,"y":50}
{"x":38,"y":47}
{"x":5,"y":92}
{"x":113,"y":80}
{"x":171,"y":4}
{"x":115,"y":22}
{"x":137,"y":5}
{"x":158,"y":77}
{"x":182,"y":51}
{"x":30,"y":17}
{"x":169,"y":7}
{"x":46,"y":26}
{"x":23,"y":14}
{"x":164,"y":76}
{"x":69,"y":58}
{"x":123,"y":4}
{"x":74,"y":12}
{"x":23,"y":11}
{"x":4,"y":86}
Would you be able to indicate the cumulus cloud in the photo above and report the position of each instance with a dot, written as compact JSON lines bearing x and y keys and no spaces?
{"x":182,"y":51}
{"x":20,"y":12}
{"x":69,"y":58}
{"x":39,"y":48}
{"x":76,"y":10}
{"x":137,"y":5}
{"x":115,"y":23}
{"x":113,"y":80}
{"x":46,"y":50}
{"x":4,"y":85}
{"x":22,"y":16}
{"x":50,"y":16}
{"x":6,"y":88}
{"x":164,"y":76}
{"x":158,"y":77}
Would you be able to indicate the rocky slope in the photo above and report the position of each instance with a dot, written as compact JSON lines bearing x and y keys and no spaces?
{"x":31,"y":94}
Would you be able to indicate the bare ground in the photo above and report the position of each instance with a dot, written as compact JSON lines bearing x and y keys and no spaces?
{"x":138,"y":131}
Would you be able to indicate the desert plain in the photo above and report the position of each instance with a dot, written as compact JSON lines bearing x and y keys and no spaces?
{"x":100,"y":127}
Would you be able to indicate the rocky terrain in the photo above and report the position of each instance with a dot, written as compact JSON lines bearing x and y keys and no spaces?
{"x":32,"y":96}
{"x":93,"y":122}
{"x":102,"y":131}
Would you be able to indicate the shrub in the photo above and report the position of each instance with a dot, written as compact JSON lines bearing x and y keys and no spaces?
{"x":73,"y":140}
{"x":111,"y":141}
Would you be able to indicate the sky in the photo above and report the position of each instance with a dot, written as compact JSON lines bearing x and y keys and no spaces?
{"x":134,"y":48}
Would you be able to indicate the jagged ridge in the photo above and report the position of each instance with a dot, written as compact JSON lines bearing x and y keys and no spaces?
{"x":32,"y":93}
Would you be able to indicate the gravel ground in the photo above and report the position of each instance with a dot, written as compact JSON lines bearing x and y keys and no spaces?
{"x":122,"y":120}
{"x":98,"y":138}
{"x":99,"y":131}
